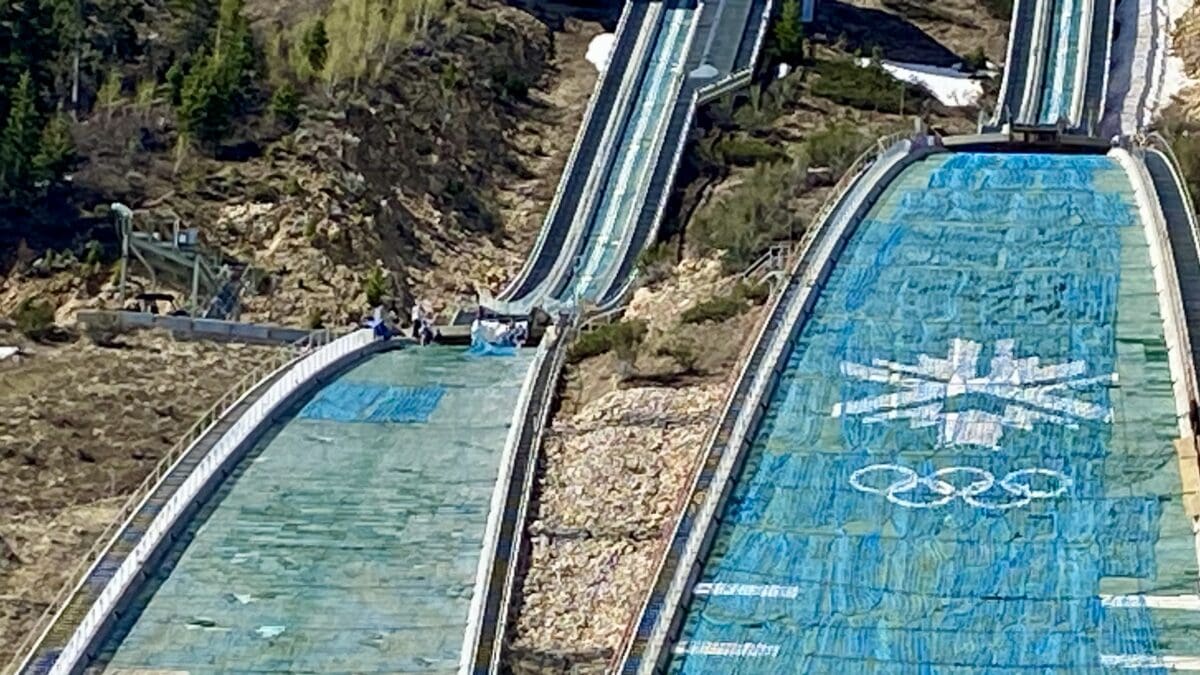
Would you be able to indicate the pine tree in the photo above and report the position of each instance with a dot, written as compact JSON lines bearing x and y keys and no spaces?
{"x":789,"y":32}
{"x":56,"y":150}
{"x":315,"y":45}
{"x":204,"y":106}
{"x":19,"y":140}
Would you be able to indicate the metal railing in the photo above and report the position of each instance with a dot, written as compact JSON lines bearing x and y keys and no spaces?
{"x":500,"y":496}
{"x":508,"y":545}
{"x":260,"y":375}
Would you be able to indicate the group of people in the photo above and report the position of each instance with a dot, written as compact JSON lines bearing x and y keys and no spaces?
{"x":492,"y":335}
{"x":423,"y":330}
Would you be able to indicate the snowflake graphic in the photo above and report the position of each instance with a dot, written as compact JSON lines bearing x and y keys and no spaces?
{"x":1030,"y":392}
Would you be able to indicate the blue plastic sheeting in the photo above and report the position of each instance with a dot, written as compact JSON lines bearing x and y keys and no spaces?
{"x":363,"y":402}
{"x":337,"y":545}
{"x":969,"y":448}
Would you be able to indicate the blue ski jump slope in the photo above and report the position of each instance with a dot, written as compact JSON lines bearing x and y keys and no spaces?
{"x":967,"y":466}
{"x":1062,"y":60}
{"x":629,"y":176}
{"x":348,"y":540}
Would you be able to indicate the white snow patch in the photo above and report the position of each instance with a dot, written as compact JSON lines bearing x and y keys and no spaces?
{"x":950,"y":86}
{"x":599,"y":49}
{"x":6,"y":352}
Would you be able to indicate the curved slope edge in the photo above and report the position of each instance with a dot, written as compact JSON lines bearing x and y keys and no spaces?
{"x":659,"y":620}
{"x":204,"y":477}
{"x":488,"y":619}
{"x":1172,"y":201}
{"x":1167,"y":285}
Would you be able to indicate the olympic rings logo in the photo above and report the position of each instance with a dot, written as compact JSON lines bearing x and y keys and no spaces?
{"x":965,"y":482}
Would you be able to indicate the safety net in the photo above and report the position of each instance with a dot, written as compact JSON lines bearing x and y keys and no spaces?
{"x":967,"y":466}
{"x":348,"y":539}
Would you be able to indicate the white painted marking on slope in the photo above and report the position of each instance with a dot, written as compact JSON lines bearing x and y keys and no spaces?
{"x":1190,"y":602}
{"x":1150,"y":661}
{"x":726,"y":649}
{"x":749,"y":590}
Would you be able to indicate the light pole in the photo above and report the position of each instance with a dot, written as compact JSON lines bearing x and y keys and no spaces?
{"x":125,"y":225}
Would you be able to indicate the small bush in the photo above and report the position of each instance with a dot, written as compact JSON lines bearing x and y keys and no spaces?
{"x":714,"y":310}
{"x":34,"y":318}
{"x":725,"y":307}
{"x":788,"y":33}
{"x":871,"y":88}
{"x":836,"y":147}
{"x":622,"y":337}
{"x":1187,"y":151}
{"x":285,"y":106}
{"x":1001,"y":9}
{"x":742,"y":150}
{"x":654,"y":264}
{"x":315,"y":46}
{"x":975,"y":61}
{"x":375,"y":286}
{"x":750,"y":217}
{"x":683,"y":351}
{"x":755,"y":294}
{"x":511,"y":85}
{"x":315,"y":319}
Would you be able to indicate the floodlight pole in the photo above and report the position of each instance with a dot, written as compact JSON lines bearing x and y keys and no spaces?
{"x":124,"y":224}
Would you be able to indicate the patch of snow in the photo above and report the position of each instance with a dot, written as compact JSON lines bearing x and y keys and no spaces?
{"x":6,"y":352}
{"x":599,"y":50}
{"x":950,"y":86}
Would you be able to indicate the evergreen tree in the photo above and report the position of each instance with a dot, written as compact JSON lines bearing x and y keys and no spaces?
{"x":56,"y":150}
{"x":204,"y":106}
{"x":19,"y":140}
{"x":28,"y":46}
{"x":212,"y":91}
{"x":315,"y":45}
{"x":789,"y":32}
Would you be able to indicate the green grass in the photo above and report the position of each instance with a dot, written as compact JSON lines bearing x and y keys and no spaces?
{"x":622,"y":337}
{"x":871,"y":88}
{"x":724,"y":307}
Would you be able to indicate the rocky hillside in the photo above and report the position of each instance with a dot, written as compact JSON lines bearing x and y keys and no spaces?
{"x":616,"y":461}
{"x":79,"y":429}
{"x":442,"y":158}
{"x":1187,"y":47}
